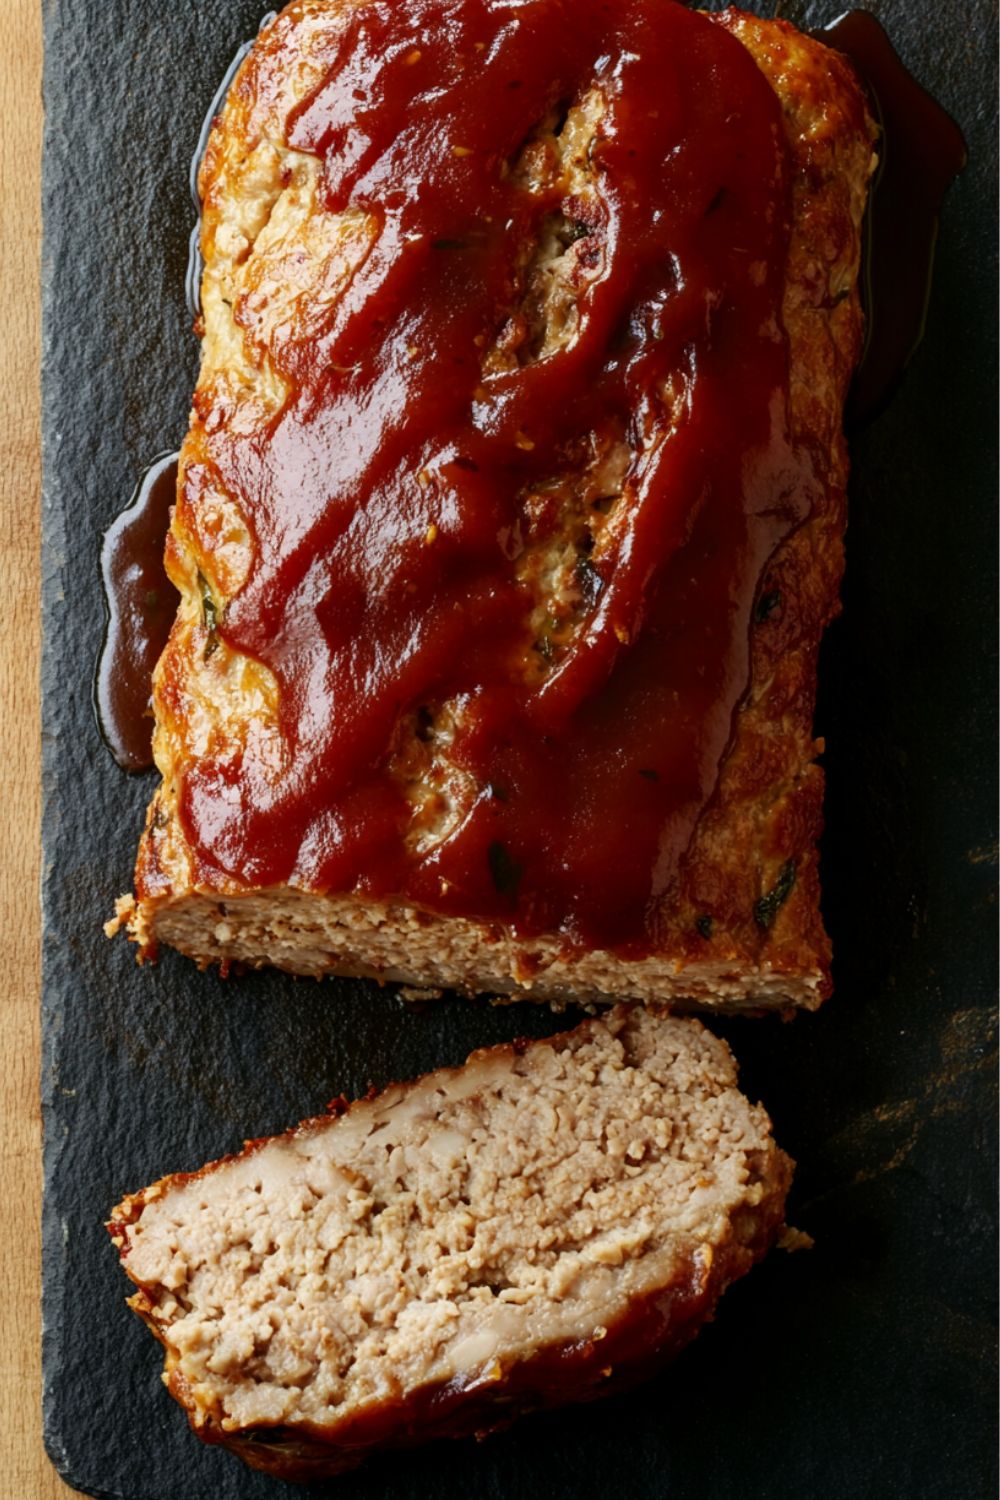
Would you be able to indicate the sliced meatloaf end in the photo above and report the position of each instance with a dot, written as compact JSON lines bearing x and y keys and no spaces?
{"x":548,"y":1223}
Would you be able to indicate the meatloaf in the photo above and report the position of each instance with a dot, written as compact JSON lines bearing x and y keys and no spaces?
{"x":546,"y":1224}
{"x":510,"y":515}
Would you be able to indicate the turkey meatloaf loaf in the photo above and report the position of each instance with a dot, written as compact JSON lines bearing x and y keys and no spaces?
{"x":546,"y":1224}
{"x":510,"y":514}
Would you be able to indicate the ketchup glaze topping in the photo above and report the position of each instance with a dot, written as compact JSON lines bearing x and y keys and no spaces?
{"x":383,"y":495}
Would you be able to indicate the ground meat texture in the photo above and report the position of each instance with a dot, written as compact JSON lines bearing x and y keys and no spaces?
{"x":742,"y":929}
{"x":548,"y":1223}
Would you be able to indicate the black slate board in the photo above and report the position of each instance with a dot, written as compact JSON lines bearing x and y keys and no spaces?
{"x":864,"y":1368}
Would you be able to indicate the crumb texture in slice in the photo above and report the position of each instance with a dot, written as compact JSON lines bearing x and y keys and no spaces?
{"x":516,"y":1231}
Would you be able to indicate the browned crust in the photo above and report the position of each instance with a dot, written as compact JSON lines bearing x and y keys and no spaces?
{"x":759,"y":835}
{"x":633,"y":1347}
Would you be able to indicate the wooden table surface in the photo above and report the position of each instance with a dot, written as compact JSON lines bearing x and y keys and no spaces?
{"x":25,"y":1471}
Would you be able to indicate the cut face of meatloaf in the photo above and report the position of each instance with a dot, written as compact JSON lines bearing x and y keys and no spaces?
{"x":548,"y":1223}
{"x":510,"y":515}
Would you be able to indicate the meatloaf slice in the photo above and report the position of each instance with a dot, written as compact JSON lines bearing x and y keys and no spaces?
{"x":546,"y":1224}
{"x":731,"y":900}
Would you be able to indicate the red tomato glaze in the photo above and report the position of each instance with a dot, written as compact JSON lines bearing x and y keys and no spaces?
{"x":590,"y":782}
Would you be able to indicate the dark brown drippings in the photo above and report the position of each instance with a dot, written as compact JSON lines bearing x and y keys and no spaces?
{"x":922,"y":151}
{"x":141,"y":605}
{"x":139,"y":598}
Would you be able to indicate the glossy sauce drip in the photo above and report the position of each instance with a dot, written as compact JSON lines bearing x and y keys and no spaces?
{"x":383,"y":496}
{"x":141,"y":605}
{"x":140,"y":600}
{"x":921,"y":153}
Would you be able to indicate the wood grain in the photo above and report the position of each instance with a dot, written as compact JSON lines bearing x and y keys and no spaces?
{"x":25,"y":1469}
